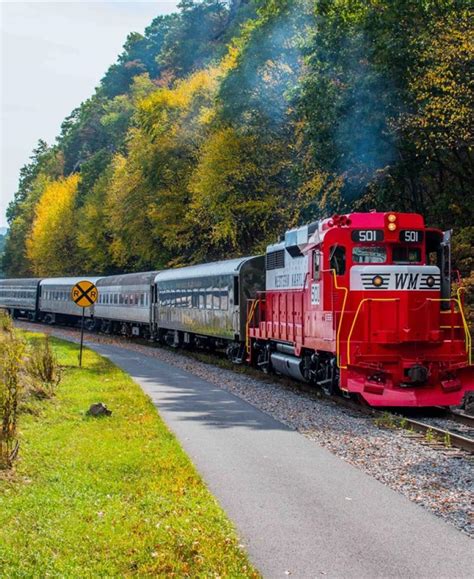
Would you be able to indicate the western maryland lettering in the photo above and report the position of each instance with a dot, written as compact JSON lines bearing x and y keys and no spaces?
{"x":289,"y":280}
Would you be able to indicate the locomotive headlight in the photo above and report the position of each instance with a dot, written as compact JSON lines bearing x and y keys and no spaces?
{"x":392,"y":226}
{"x":392,"y":218}
{"x":430,"y":281}
{"x":377,"y":281}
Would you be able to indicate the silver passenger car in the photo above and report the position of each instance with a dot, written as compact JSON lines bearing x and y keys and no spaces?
{"x":19,"y":296}
{"x":209,"y":299}
{"x":55,"y":301}
{"x":126,"y":300}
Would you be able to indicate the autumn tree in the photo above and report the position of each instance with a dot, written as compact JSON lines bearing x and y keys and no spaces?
{"x":46,"y":163}
{"x":149,"y":196}
{"x":52,"y":244}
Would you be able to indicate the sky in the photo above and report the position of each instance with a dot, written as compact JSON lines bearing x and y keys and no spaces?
{"x":53,"y":55}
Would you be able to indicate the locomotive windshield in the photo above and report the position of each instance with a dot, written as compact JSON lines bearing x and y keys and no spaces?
{"x":369,"y":254}
{"x":406,"y":255}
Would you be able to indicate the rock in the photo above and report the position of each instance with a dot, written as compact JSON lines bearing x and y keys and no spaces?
{"x":468,"y":403}
{"x":99,"y":409}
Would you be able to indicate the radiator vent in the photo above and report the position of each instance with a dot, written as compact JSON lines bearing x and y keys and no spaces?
{"x":276,"y":259}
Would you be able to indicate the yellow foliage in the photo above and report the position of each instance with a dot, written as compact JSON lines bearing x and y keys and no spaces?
{"x":443,"y":90}
{"x":167,"y":108}
{"x":147,"y":197}
{"x":232,"y":192}
{"x":51,"y":246}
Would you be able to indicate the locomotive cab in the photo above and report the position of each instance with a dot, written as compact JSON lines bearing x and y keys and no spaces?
{"x":401,"y":338}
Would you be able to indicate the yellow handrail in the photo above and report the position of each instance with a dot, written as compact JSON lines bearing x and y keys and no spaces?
{"x":339,"y":325}
{"x":247,"y":325}
{"x":355,"y":320}
{"x":464,"y":322}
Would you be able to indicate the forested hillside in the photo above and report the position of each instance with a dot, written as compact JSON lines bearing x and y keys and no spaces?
{"x":227,"y":123}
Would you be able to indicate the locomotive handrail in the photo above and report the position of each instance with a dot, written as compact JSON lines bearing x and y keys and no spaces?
{"x":463,"y":318}
{"x":339,"y":325}
{"x":359,"y":307}
{"x":464,"y":321}
{"x":250,"y":315}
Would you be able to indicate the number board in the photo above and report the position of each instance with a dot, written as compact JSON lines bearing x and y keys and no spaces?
{"x":411,"y":236}
{"x":84,"y":294}
{"x":367,"y":235}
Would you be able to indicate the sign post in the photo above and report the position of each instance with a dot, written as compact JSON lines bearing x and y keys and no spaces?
{"x":84,"y":294}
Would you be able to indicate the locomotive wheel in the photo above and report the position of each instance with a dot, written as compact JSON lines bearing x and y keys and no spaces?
{"x":330,"y":384}
{"x":263,"y":359}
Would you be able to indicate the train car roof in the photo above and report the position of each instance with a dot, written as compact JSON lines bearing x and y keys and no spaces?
{"x":68,"y":280}
{"x":28,"y":281}
{"x":227,"y":267}
{"x":138,"y":278}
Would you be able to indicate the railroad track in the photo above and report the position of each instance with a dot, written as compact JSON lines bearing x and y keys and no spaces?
{"x":461,"y":417}
{"x":447,"y":439}
{"x":441,"y":438}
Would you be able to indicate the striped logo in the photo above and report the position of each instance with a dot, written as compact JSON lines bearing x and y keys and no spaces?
{"x":398,"y":278}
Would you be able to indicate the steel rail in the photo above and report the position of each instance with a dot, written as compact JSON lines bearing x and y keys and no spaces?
{"x":461,"y":417}
{"x":448,"y":437}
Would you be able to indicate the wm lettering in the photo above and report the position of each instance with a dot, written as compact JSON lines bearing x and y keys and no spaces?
{"x":406,"y":280}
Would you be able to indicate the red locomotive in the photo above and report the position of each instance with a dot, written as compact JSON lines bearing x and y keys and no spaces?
{"x":362,"y":303}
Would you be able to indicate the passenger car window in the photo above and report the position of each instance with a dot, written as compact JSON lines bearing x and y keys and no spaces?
{"x":337,"y":259}
{"x":224,"y":300}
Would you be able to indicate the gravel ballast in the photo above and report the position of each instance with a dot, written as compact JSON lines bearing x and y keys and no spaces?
{"x":434,"y":479}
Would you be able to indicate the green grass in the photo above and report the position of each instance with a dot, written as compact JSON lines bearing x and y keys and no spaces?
{"x":107,"y":496}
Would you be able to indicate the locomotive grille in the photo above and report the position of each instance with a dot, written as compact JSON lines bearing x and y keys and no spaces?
{"x":275,"y":259}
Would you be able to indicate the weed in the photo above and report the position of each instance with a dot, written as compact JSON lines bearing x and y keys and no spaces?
{"x":43,"y":368}
{"x":447,"y":440}
{"x":11,"y":355}
{"x":6,"y":323}
{"x":429,"y":436}
{"x":387,"y":420}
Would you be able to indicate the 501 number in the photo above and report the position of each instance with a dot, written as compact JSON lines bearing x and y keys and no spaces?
{"x":411,"y":236}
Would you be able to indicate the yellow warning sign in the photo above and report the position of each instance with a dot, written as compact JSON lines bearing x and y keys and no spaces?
{"x":84,"y":294}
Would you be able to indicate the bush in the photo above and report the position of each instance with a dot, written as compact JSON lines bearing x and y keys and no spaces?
{"x":6,"y":323}
{"x":44,"y":369}
{"x":11,"y":356}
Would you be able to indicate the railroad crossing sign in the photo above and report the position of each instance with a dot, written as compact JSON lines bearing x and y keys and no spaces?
{"x":84,"y":294}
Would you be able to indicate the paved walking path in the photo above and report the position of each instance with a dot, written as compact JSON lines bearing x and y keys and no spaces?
{"x":297,"y":507}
